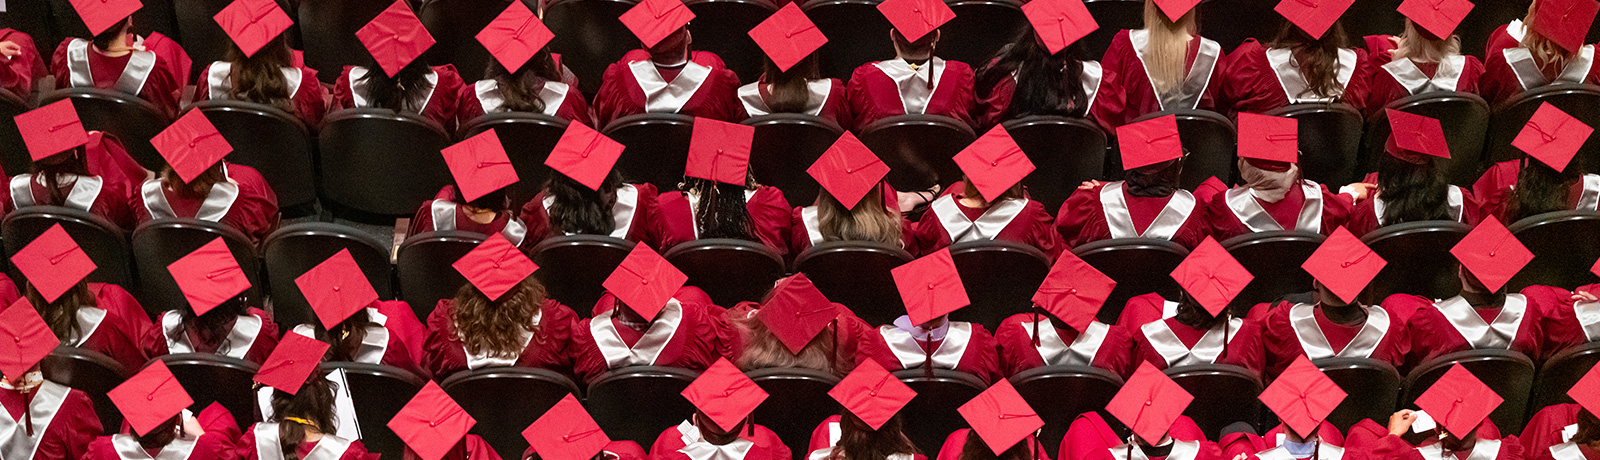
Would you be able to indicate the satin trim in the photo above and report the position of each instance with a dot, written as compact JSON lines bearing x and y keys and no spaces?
{"x":128,"y":448}
{"x":85,"y":190}
{"x":1056,"y":351}
{"x":911,"y":355}
{"x":819,"y":91}
{"x":1453,"y":197}
{"x":1091,"y":78}
{"x":986,"y":228}
{"x":240,"y":339}
{"x":1410,"y":77}
{"x":825,"y":452}
{"x":668,"y":97}
{"x":133,"y":77}
{"x":702,"y":450}
{"x":376,"y":344}
{"x":1166,"y":224}
{"x":1302,"y":318}
{"x":444,"y":220}
{"x":1528,"y":74}
{"x":89,"y":320}
{"x":1194,"y":83}
{"x":492,"y":99}
{"x":1588,"y":316}
{"x":1566,"y":451}
{"x":1295,"y":87}
{"x":219,"y":85}
{"x":1484,"y":449}
{"x":915,"y":93}
{"x":1181,"y":450}
{"x":358,"y":90}
{"x":1245,"y":207}
{"x":1172,"y":349}
{"x":808,"y":216}
{"x":1589,"y":199}
{"x":330,"y":447}
{"x":1325,"y":451}
{"x":621,"y":212}
{"x":648,"y":349}
{"x":1498,"y":334}
{"x":42,"y":407}
{"x":216,"y":205}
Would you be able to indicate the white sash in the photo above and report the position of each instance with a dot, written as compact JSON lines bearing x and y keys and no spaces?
{"x":1181,"y":450}
{"x":1589,"y":198}
{"x":911,"y":354}
{"x":1566,"y":451}
{"x":1479,"y":334}
{"x":1294,"y":84}
{"x":915,"y":93}
{"x":1528,"y":74}
{"x":661,"y":96}
{"x":89,"y":320}
{"x":1120,"y":221}
{"x":444,"y":219}
{"x":1588,"y":316}
{"x":820,"y":89}
{"x":85,"y":190}
{"x":1325,"y":451}
{"x":1243,"y":203}
{"x":245,"y":330}
{"x":644,"y":352}
{"x":987,"y":227}
{"x":1453,"y":197}
{"x":1194,"y":84}
{"x":376,"y":344}
{"x":137,"y":71}
{"x":216,"y":205}
{"x":477,"y":361}
{"x":621,"y":211}
{"x":491,"y":98}
{"x":219,"y":85}
{"x":358,"y":90}
{"x":1172,"y":349}
{"x":696,"y":448}
{"x":1483,"y":449}
{"x":1056,"y":351}
{"x":1409,"y":76}
{"x":42,"y":408}
{"x":808,"y":216}
{"x":128,"y":448}
{"x":1302,"y":318}
{"x":330,"y":447}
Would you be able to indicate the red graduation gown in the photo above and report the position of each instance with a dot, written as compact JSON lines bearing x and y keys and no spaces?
{"x":1493,"y":190}
{"x":1309,"y":206}
{"x":307,"y":95}
{"x":1390,"y":447}
{"x":1293,"y":330}
{"x":852,"y":332}
{"x":704,"y":88}
{"x":99,"y":195}
{"x":828,"y":101}
{"x":396,"y":341}
{"x":1084,"y":218}
{"x":18,"y":73}
{"x":217,"y":443}
{"x":1506,"y":36}
{"x":1168,"y":343}
{"x":948,"y":222}
{"x":635,"y":213}
{"x":1558,"y":321}
{"x":332,"y":447}
{"x":1089,"y":434}
{"x":451,"y":215}
{"x":1547,"y":428}
{"x":1257,"y":79}
{"x":884,"y":89}
{"x":1127,"y":89}
{"x":1365,"y":217}
{"x":1105,"y":346}
{"x":952,"y":448}
{"x":112,"y":327}
{"x":769,"y":214}
{"x":1184,"y":450}
{"x":440,"y":103}
{"x":1439,"y":330}
{"x":251,"y":337}
{"x":805,"y":231}
{"x":764,"y":445}
{"x":1253,"y":446}
{"x":548,"y":347}
{"x":690,"y":334}
{"x":993,"y":103}
{"x":1504,"y":77}
{"x":63,"y":434}
{"x":1392,"y":81}
{"x":146,"y":74}
{"x":250,"y":206}
{"x":561,"y":100}
{"x":967,"y":347}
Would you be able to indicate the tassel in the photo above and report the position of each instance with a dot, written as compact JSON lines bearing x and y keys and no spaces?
{"x":931,"y":70}
{"x":750,"y":425}
{"x":1227,"y":319}
{"x":1036,"y":326}
{"x":927,"y":360}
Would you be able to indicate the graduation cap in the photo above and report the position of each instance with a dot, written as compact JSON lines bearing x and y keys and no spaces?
{"x":99,"y":15}
{"x":1313,"y":16}
{"x":1074,"y":291}
{"x":994,"y":163}
{"x":191,"y":145}
{"x":1344,"y":264}
{"x":1412,"y":136}
{"x":1565,"y":22}
{"x":719,"y":151}
{"x":1059,"y":23}
{"x":1586,"y":392}
{"x":1437,"y":17}
{"x":796,"y":312}
{"x":53,"y":263}
{"x":848,"y":170}
{"x":1302,"y":396}
{"x":291,"y":362}
{"x":788,"y":36}
{"x":515,"y":36}
{"x":150,"y":397}
{"x":209,"y":276}
{"x":724,"y":394}
{"x":1149,"y":142}
{"x":654,"y":20}
{"x":1552,"y":136}
{"x":1149,"y":402}
{"x":644,"y":281}
{"x":1212,"y":276}
{"x":51,"y":129}
{"x":395,"y":38}
{"x":1175,"y":9}
{"x":914,"y":19}
{"x":872,"y":393}
{"x":1265,"y":137}
{"x":495,"y":266}
{"x":584,"y":155}
{"x":31,"y":339}
{"x":253,"y":23}
{"x":479,"y":164}
{"x":930,"y":287}
{"x":566,"y":432}
{"x":336,"y":289}
{"x":1492,"y":253}
{"x":1459,"y":401}
{"x":431,"y":423}
{"x":1001,"y":417}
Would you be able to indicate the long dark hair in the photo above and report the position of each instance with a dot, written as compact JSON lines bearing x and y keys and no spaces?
{"x":1318,"y":57}
{"x":1047,"y":84}
{"x":62,"y":315}
{"x":721,"y":212}
{"x":346,"y":336}
{"x":259,"y":78}
{"x":788,"y":92}
{"x":1192,"y":314}
{"x":108,"y":37}
{"x":395,"y":92}
{"x":161,"y":435}
{"x":215,"y":325}
{"x":578,"y":210}
{"x":1412,"y":192}
{"x":50,"y":168}
{"x":520,"y":89}
{"x":975,"y":449}
{"x":858,"y":441}
{"x":313,"y":403}
{"x":1541,"y":189}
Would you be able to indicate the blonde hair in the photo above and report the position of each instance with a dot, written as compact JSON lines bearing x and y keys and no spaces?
{"x":870,"y":220}
{"x":1550,"y":57}
{"x":762,"y":349}
{"x":1166,"y":54}
{"x":1417,"y":46}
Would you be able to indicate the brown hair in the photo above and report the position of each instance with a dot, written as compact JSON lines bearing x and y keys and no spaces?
{"x":62,"y":315}
{"x":762,"y":349}
{"x":870,"y":220}
{"x":1550,"y":57}
{"x":347,"y":336}
{"x":976,"y":449}
{"x":1418,"y":45}
{"x":1588,"y":429}
{"x":1166,"y":52}
{"x":50,"y":169}
{"x":159,"y":436}
{"x":971,"y":191}
{"x":788,"y":92}
{"x":259,"y":78}
{"x":494,"y":327}
{"x":858,"y":441}
{"x":1318,"y":58}
{"x":313,"y":403}
{"x":520,"y":89}
{"x":196,"y":189}
{"x":108,"y":37}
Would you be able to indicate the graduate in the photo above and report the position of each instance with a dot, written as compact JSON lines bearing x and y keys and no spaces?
{"x":1514,"y":189}
{"x":1559,"y":321}
{"x":1062,"y":329}
{"x":396,"y":79}
{"x":648,"y":318}
{"x":1150,"y":405}
{"x":524,"y":77}
{"x":260,"y":65}
{"x":501,"y":318}
{"x":1551,"y":50}
{"x":478,"y":203}
{"x":1201,"y":333}
{"x":301,"y":425}
{"x":1003,"y":427}
{"x":152,"y":402}
{"x":926,"y":337}
{"x":991,"y":203}
{"x":718,"y":197}
{"x":1090,"y":433}
{"x":1275,"y":194}
{"x":116,"y":59}
{"x":1410,"y":185}
{"x":797,"y":327}
{"x":722,"y":427}
{"x":1484,"y":315}
{"x":851,"y":202}
{"x":567,"y":431}
{"x":1336,"y":325}
{"x":1148,"y":203}
{"x":1460,"y":405}
{"x":915,"y":82}
{"x":1043,"y":71}
{"x":1567,"y":431}
{"x":197,"y":183}
{"x":43,"y":420}
{"x":66,"y":160}
{"x":667,"y":76}
{"x":869,"y":424}
{"x":1302,"y":397}
{"x":1307,"y":62}
{"x":97,"y":317}
{"x":20,"y":63}
{"x":360,"y":327}
{"x":217,"y":318}
{"x":587,"y":196}
{"x":1164,"y":66}
{"x":791,"y":76}
{"x":1426,"y":58}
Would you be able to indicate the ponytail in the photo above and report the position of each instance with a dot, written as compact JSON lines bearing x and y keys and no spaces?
{"x":311,"y":407}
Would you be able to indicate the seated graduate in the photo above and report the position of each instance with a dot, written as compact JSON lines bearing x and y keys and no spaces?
{"x":1062,"y":329}
{"x":1089,"y":433}
{"x":97,"y":317}
{"x":21,"y":66}
{"x":44,"y":420}
{"x":260,"y":65}
{"x":719,"y":198}
{"x":565,"y":431}
{"x":853,"y":202}
{"x":868,"y":426}
{"x":722,"y":427}
{"x":791,"y":75}
{"x":1204,"y":330}
{"x":395,"y":78}
{"x":586,"y":196}
{"x":162,"y":428}
{"x":359,"y":327}
{"x":1411,"y":186}
{"x":1307,"y":62}
{"x":118,"y":60}
{"x":666,"y":76}
{"x":1302,"y":397}
{"x":197,"y":183}
{"x":83,"y":170}
{"x":1149,"y":405}
{"x":991,"y":203}
{"x":1165,"y":65}
{"x":1003,"y":428}
{"x":1484,"y":316}
{"x":1552,"y":50}
{"x":1336,"y":325}
{"x":915,"y":81}
{"x":217,"y":317}
{"x":775,"y":332}
{"x":1275,"y":194}
{"x":479,"y":202}
{"x":1044,"y":71}
{"x":525,"y":76}
{"x":1459,"y":405}
{"x":1545,"y":179}
{"x":1425,"y":59}
{"x":926,"y":337}
{"x":649,"y":318}
{"x":1565,"y":320}
{"x":302,"y":425}
{"x":1147,"y":203}
{"x":500,"y":318}
{"x":1567,"y":431}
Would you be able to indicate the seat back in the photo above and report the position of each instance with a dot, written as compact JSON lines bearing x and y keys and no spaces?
{"x":1060,"y":393}
{"x":93,"y":373}
{"x":454,"y":25}
{"x":1560,"y":373}
{"x":729,"y":270}
{"x":918,"y":148}
{"x":1465,"y":119}
{"x":378,"y":393}
{"x":528,"y":139}
{"x":1223,"y":394}
{"x":132,"y":120}
{"x":857,"y":34}
{"x":101,"y":240}
{"x":1372,"y":388}
{"x":657,"y":147}
{"x":857,"y":274}
{"x":505,"y":400}
{"x":270,"y":140}
{"x":627,"y":403}
{"x":14,"y":157}
{"x":723,"y":27}
{"x":572,"y":267}
{"x":1419,"y":259}
{"x":931,"y":415}
{"x":1508,"y":373}
{"x":589,"y":37}
{"x":328,"y":33}
{"x":1330,"y":140}
{"x":785,"y":146}
{"x":1139,"y":266}
{"x":1565,"y":245}
{"x":1114,"y":16}
{"x":1211,"y":141}
{"x":159,"y":243}
{"x":297,"y":248}
{"x":378,"y":162}
{"x":1579,"y":101}
{"x":1001,"y":278}
{"x":424,"y":265}
{"x":227,"y":381}
{"x":979,"y":30}
{"x":1274,"y":258}
{"x":1065,"y":152}
{"x":798,"y":401}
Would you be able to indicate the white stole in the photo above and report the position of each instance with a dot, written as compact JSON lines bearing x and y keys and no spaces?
{"x":808,"y":217}
{"x":621,"y":211}
{"x":819,"y":91}
{"x":89,"y":320}
{"x":1056,"y":351}
{"x":1566,"y":451}
{"x":134,"y":75}
{"x":1171,"y":348}
{"x":85,"y":190}
{"x":1294,"y":84}
{"x":245,"y":330}
{"x":661,"y":96}
{"x":911,"y":355}
{"x":644,"y":352}
{"x":1245,"y":207}
{"x":1588,"y":316}
{"x":216,"y":205}
{"x":696,"y":448}
{"x":444,"y":219}
{"x":479,"y":361}
{"x":1528,"y":74}
{"x":1445,"y":78}
{"x":128,"y":448}
{"x":1302,"y":318}
{"x":915,"y":92}
{"x":358,"y":89}
{"x":1119,"y":219}
{"x":1325,"y":451}
{"x":987,"y":227}
{"x":219,"y":85}
{"x":1589,"y":198}
{"x":42,"y":408}
{"x":1181,"y":450}
{"x":1194,"y":84}
{"x":330,"y":447}
{"x":1483,"y":449}
{"x":1498,"y":334}
{"x":491,"y":97}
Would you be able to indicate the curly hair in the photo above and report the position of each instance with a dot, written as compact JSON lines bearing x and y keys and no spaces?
{"x":494,"y":327}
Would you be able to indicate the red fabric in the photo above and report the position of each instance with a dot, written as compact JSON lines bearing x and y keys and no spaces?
{"x":168,"y":50}
{"x":160,"y":88}
{"x":1244,"y":345}
{"x":644,"y":215}
{"x":954,"y":444}
{"x":1364,"y":218}
{"x":1499,"y":40}
{"x":1031,"y":226}
{"x":1250,"y":84}
{"x":442,"y":105}
{"x":1391,"y":447}
{"x":1500,"y":83}
{"x":620,"y":95}
{"x":550,"y":348}
{"x":114,"y":203}
{"x":247,"y":448}
{"x":1493,"y":189}
{"x":422,"y":222}
{"x":1250,"y":444}
{"x":1126,"y":89}
{"x":117,"y":336}
{"x":8,"y":290}
{"x":1208,"y":451}
{"x":1385,"y":89}
{"x":217,"y":443}
{"x":874,"y":96}
{"x":978,"y":359}
{"x":1017,"y":353}
{"x":310,"y":99}
{"x":18,"y":73}
{"x":1558,"y":320}
{"x":1282,"y":345}
{"x":767,"y":445}
{"x":1224,"y":223}
{"x":993,"y":103}
{"x":153,"y":342}
{"x":69,"y":433}
{"x":834,"y":108}
{"x":1544,"y":429}
{"x":769,"y":215}
{"x":573,"y":106}
{"x":702,"y":338}
{"x":1140,"y":310}
{"x":1588,"y":452}
{"x":1433,"y":335}
{"x":1083,"y":219}
{"x":254,"y":213}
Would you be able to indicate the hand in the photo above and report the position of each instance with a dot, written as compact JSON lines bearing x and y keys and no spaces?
{"x":191,"y":426}
{"x":1090,"y":185}
{"x":1362,"y":190}
{"x":1241,"y":457}
{"x":1580,"y":296}
{"x":10,"y":49}
{"x":1400,"y":422}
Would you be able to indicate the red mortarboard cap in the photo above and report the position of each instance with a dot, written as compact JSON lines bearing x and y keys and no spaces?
{"x":566,"y":432}
{"x":930,"y":286}
{"x":1073,"y":291}
{"x":1586,"y":392}
{"x":209,"y":276}
{"x":253,"y":23}
{"x":645,"y":281}
{"x":916,"y":18}
{"x":1270,"y":138}
{"x":719,"y":151}
{"x":291,"y":362}
{"x":1459,"y":401}
{"x":848,"y":170}
{"x":31,"y":339}
{"x":724,"y":394}
{"x":1212,"y":276}
{"x":994,"y":163}
{"x":1175,"y":9}
{"x":51,"y":129}
{"x":1413,"y":134}
{"x":191,"y":145}
{"x":480,"y":164}
{"x":1059,"y":23}
{"x":1565,"y":22}
{"x":515,"y":36}
{"x":336,"y":288}
{"x":495,"y":266}
{"x":796,"y":312}
{"x":1149,"y":402}
{"x":1492,"y":253}
{"x":1438,"y":17}
{"x":150,"y":397}
{"x":1313,"y":16}
{"x":432,"y":423}
{"x":872,"y":393}
{"x":53,"y":262}
{"x":584,"y":155}
{"x":99,"y":15}
{"x":395,"y":38}
{"x":1149,"y":142}
{"x":788,"y":36}
{"x":1552,"y":136}
{"x":1001,"y":416}
{"x":1595,"y":269}
{"x":653,"y":20}
{"x":1344,"y":264}
{"x":1302,"y":396}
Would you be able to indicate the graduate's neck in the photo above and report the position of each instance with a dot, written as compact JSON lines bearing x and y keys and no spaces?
{"x":1481,"y":299}
{"x":1345,"y":315}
